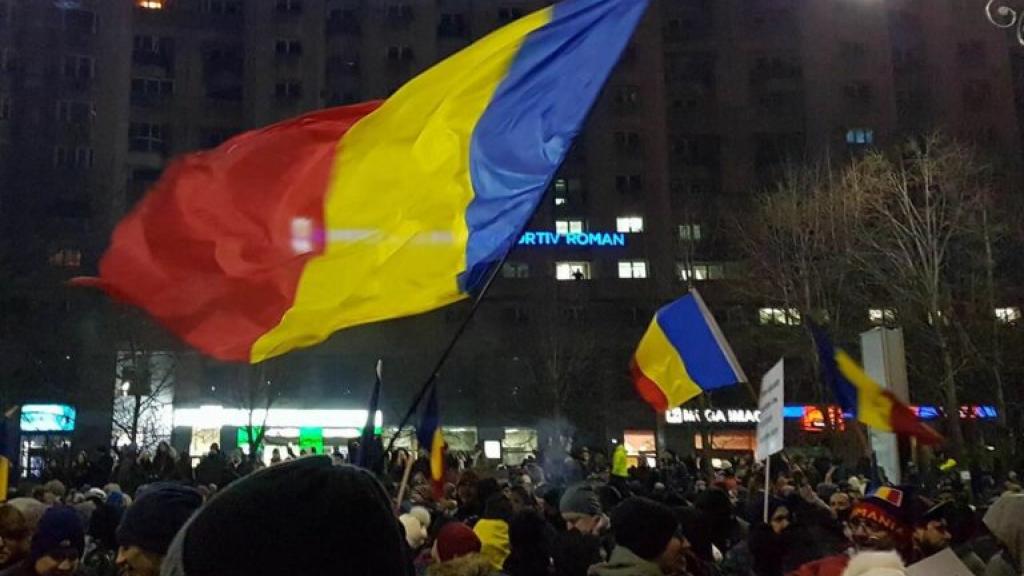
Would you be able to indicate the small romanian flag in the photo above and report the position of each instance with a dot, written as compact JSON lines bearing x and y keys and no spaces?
{"x":682,"y":354}
{"x":858,"y":394}
{"x":282,"y":236}
{"x":429,"y":435}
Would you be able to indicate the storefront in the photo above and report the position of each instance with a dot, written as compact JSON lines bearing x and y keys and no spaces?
{"x":44,"y":431}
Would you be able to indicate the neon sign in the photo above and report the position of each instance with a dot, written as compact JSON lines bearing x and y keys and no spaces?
{"x":572,"y":239}
{"x":712,"y":415}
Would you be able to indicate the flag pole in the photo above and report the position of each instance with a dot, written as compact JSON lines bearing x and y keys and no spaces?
{"x":432,"y":378}
{"x":767,"y":484}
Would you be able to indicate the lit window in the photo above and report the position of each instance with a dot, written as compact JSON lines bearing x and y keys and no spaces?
{"x":632,"y":269}
{"x":515,"y":270}
{"x":689,"y":232}
{"x":629,"y":224}
{"x":67,"y":258}
{"x":1008,"y":315}
{"x":561,"y":201}
{"x":560,"y":186}
{"x":150,"y":4}
{"x":564,"y":227}
{"x":572,"y":270}
{"x":880,"y":316}
{"x":860,"y":136}
{"x":778,"y":317}
{"x":700,"y":272}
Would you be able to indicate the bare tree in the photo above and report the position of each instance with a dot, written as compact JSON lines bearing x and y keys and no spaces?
{"x":144,"y":392}
{"x":255,"y":392}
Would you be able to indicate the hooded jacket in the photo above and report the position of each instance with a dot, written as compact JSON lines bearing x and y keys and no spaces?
{"x":468,"y":565}
{"x":623,"y":562}
{"x":494,"y":544}
{"x":1005,"y":519}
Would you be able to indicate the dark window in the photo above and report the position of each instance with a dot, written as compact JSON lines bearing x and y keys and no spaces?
{"x":5,"y":108}
{"x":289,"y":6}
{"x":288,"y":48}
{"x":628,"y":184}
{"x":452,"y":26}
{"x":345,"y":64}
{"x":627,"y":98}
{"x":5,"y":12}
{"x":627,"y":142}
{"x":79,"y":67}
{"x":73,"y":111}
{"x":399,"y":14}
{"x":223,"y":7}
{"x":79,"y":21}
{"x":147,"y":137}
{"x":343,"y":22}
{"x":291,"y":90}
{"x":152,"y":87}
{"x":858,"y":94}
{"x":399,"y":53}
{"x":506,"y":15}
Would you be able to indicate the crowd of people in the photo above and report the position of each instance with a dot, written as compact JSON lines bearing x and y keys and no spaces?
{"x":581,"y":515}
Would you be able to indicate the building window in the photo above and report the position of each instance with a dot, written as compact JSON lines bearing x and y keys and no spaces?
{"x":564,"y":227}
{"x":627,"y":142}
{"x":627,"y":98}
{"x":147,"y":137}
{"x":629,"y":224}
{"x":60,"y":157}
{"x":67,"y":258}
{"x":399,"y":53}
{"x":860,"y":137}
{"x":79,"y":67}
{"x":5,"y":12}
{"x":343,"y":21}
{"x":628,"y":184}
{"x":506,"y":15}
{"x":6,"y":60}
{"x":288,"y":48}
{"x":689,"y":232}
{"x":700,"y":271}
{"x":222,"y":7}
{"x":399,"y":13}
{"x":74,"y":111}
{"x":778,"y":317}
{"x":858,"y":93}
{"x":83,"y":157}
{"x":288,"y":90}
{"x":572,"y":270}
{"x":152,"y":87}
{"x":5,"y":108}
{"x":881,"y":316}
{"x":289,"y":6}
{"x":1009,"y":315}
{"x":79,"y":21}
{"x":452,"y":26}
{"x":515,"y":270}
{"x":634,"y":269}
{"x":150,"y":4}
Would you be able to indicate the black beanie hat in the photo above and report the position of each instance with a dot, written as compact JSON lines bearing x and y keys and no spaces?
{"x":157,"y":514}
{"x":301,"y":517}
{"x":59,"y":532}
{"x":644,"y":526}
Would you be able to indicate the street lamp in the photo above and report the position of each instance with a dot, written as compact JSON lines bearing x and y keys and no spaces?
{"x":1003,"y":16}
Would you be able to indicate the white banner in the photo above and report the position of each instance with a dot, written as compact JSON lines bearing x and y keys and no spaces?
{"x":770,"y":426}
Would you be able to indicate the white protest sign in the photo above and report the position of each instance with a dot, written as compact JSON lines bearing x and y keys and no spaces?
{"x":944,"y":563}
{"x":769,"y":428}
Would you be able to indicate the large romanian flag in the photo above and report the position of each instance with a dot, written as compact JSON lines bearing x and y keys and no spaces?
{"x":282,"y":236}
{"x":861,"y":396}
{"x":682,"y":354}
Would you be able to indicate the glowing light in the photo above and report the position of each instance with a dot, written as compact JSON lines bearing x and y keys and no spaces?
{"x":492,"y":449}
{"x":150,"y":4}
{"x":219,"y":416}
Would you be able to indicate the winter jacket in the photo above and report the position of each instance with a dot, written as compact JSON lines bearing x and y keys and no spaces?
{"x":493,"y":535}
{"x":1004,"y":520}
{"x":623,"y":562}
{"x":828,"y":566}
{"x":468,"y":565}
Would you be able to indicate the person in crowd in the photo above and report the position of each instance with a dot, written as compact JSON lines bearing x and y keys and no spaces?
{"x":581,"y":510}
{"x":880,"y":522}
{"x":275,"y":456}
{"x":147,"y":528}
{"x":931,"y":529}
{"x":840,"y":504}
{"x":32,"y":511}
{"x":467,"y":495}
{"x":456,"y":552}
{"x":530,"y":540}
{"x":762,"y":553}
{"x":80,"y":469}
{"x":164,"y":463}
{"x":963,"y":526}
{"x":583,"y":521}
{"x":264,"y":524}
{"x":1005,"y":519}
{"x":54,"y":492}
{"x":717,"y":515}
{"x":492,"y":529}
{"x":648,"y":542}
{"x":415,"y":531}
{"x":56,"y":548}
{"x":15,"y":536}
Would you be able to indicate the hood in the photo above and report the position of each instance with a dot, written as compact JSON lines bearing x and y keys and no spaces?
{"x":1004,"y":521}
{"x":624,"y":563}
{"x":469,"y":565}
{"x":494,"y":544}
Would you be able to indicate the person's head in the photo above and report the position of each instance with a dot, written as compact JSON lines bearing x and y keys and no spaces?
{"x":931,"y":528}
{"x":650,"y":530}
{"x":344,"y":509}
{"x":880,"y":521}
{"x":498,"y":507}
{"x":840,"y":504}
{"x":580,"y":507}
{"x":415,"y":532}
{"x":15,"y":535}
{"x":149,"y":525}
{"x":53,"y":492}
{"x":214,"y":448}
{"x":521,"y":498}
{"x":58,"y":543}
{"x":779,"y":517}
{"x":455,"y":540}
{"x":1003,"y":520}
{"x":162,"y":448}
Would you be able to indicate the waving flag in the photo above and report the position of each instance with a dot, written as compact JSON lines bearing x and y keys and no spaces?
{"x":682,"y":354}
{"x":429,"y":435}
{"x":858,"y":394}
{"x":282,"y":236}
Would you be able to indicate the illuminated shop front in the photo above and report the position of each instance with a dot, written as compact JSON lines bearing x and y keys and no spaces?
{"x":43,"y":429}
